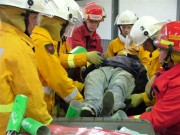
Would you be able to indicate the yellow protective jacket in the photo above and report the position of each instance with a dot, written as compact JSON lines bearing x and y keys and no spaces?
{"x":52,"y":73}
{"x":19,"y":75}
{"x":71,"y":60}
{"x":152,"y":63}
{"x":116,"y":46}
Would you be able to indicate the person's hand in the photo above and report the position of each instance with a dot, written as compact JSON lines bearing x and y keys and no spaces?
{"x":105,"y":55}
{"x":94,"y":58}
{"x":148,"y":88}
{"x":136,"y":99}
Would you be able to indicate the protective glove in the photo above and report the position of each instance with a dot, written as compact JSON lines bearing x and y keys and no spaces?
{"x":148,"y":88}
{"x":105,"y":55}
{"x":136,"y":99}
{"x":78,"y":85}
{"x":94,"y":58}
{"x":123,"y":52}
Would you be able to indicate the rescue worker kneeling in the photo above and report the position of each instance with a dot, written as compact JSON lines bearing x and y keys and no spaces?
{"x":49,"y":37}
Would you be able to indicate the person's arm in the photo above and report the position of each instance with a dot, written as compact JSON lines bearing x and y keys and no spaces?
{"x":54,"y":74}
{"x":137,"y":99}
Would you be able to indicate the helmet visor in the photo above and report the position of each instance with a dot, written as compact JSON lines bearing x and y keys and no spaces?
{"x":69,"y":29}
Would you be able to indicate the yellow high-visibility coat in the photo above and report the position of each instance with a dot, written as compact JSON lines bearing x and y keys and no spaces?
{"x":19,"y":75}
{"x":114,"y":47}
{"x":151,"y":62}
{"x":71,"y":60}
{"x":52,"y":73}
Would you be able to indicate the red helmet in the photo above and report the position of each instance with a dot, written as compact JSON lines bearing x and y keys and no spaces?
{"x":170,"y":36}
{"x":93,"y":11}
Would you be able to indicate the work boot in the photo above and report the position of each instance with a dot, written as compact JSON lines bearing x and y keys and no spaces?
{"x":107,"y":104}
{"x":87,"y":112}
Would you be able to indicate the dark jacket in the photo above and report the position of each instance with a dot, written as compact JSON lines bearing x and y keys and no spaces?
{"x":131,"y":64}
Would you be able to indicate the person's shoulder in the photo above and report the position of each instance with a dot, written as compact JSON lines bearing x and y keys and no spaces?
{"x":115,"y":41}
{"x":79,"y":27}
{"x":175,"y":72}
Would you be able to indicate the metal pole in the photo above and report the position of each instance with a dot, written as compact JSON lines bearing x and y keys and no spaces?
{"x":115,"y":11}
{"x":178,"y":10}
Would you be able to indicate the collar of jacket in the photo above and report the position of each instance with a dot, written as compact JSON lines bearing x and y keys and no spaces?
{"x":39,"y":32}
{"x":11,"y":29}
{"x":85,"y":31}
{"x":155,"y":53}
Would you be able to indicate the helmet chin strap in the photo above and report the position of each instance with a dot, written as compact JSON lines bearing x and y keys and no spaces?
{"x":165,"y":64}
{"x":121,"y":36}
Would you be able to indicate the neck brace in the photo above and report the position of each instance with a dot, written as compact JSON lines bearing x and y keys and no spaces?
{"x":122,"y":38}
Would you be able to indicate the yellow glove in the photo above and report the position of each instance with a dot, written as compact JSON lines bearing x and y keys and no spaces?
{"x":105,"y":55}
{"x":78,"y":85}
{"x":124,"y":52}
{"x":94,"y":58}
{"x":136,"y":99}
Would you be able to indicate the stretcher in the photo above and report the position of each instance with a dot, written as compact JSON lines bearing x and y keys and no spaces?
{"x":140,"y":125}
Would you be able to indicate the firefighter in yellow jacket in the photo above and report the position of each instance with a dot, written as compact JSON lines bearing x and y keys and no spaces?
{"x":18,"y":71}
{"x":144,"y":32}
{"x":124,"y":21}
{"x":49,"y":37}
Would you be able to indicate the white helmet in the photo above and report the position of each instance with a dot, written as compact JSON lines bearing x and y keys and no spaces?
{"x":143,"y":29}
{"x":34,"y":5}
{"x":126,"y":17}
{"x":75,"y":10}
{"x":57,"y":8}
{"x":65,"y":9}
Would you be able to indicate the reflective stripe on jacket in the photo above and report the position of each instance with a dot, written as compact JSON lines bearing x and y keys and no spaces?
{"x":6,"y":108}
{"x":71,"y":60}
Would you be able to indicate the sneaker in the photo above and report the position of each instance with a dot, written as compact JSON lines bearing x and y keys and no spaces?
{"x":87,"y":112}
{"x":107,"y":104}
